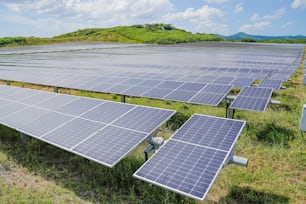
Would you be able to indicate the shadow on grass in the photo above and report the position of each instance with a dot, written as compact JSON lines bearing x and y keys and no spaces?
{"x":89,"y":180}
{"x":246,"y":195}
{"x":272,"y":134}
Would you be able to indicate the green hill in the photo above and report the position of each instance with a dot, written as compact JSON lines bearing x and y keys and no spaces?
{"x":149,"y":33}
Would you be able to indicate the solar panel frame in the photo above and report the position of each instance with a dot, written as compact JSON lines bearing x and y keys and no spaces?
{"x":58,"y":124}
{"x":102,"y":147}
{"x":275,"y":84}
{"x":160,"y":157}
{"x":253,"y":99}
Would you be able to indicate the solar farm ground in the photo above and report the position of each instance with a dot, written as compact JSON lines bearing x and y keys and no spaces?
{"x":36,"y":172}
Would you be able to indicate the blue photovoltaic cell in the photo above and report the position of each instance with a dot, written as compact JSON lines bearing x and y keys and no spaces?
{"x":157,"y":93}
{"x":241,"y":82}
{"x":132,"y":81}
{"x":207,"y":98}
{"x":191,"y":87}
{"x":110,"y":145}
{"x":212,"y":132}
{"x":70,"y":121}
{"x":256,"y":92}
{"x":3,"y":102}
{"x":136,"y":91}
{"x":184,"y":168}
{"x":20,"y":95}
{"x":117,"y":89}
{"x":56,"y":102}
{"x":183,"y":96}
{"x":10,"y":108}
{"x":250,"y":103}
{"x":223,"y":80}
{"x":217,"y":89}
{"x":79,"y":106}
{"x":190,"y":161}
{"x":275,"y":84}
{"x":72,"y":132}
{"x":45,"y":124}
{"x":101,"y":87}
{"x":169,"y":85}
{"x":252,"y":98}
{"x":143,"y":119}
{"x":23,"y":116}
{"x":149,"y":83}
{"x":37,"y":98}
{"x":107,"y":112}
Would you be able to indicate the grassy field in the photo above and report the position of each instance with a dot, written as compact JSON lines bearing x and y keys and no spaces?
{"x":35,"y":172}
{"x":149,"y":33}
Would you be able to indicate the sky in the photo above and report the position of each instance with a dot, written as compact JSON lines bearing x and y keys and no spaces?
{"x":48,"y":18}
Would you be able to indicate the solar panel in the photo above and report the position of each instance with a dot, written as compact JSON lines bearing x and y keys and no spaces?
{"x":252,"y":98}
{"x":241,"y":82}
{"x":143,"y":119}
{"x":110,"y":145}
{"x":76,"y":123}
{"x":218,"y":133}
{"x":212,"y":94}
{"x":161,"y":75}
{"x":191,"y":160}
{"x":157,"y":93}
{"x":182,"y":96}
{"x":107,"y":112}
{"x":275,"y":84}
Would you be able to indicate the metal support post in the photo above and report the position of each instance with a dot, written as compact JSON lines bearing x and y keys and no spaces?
{"x":55,"y":89}
{"x":123,"y":98}
{"x":154,"y":144}
{"x":23,"y":137}
{"x":229,"y":112}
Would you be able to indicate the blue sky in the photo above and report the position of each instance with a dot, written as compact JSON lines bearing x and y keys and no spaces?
{"x":47,"y":18}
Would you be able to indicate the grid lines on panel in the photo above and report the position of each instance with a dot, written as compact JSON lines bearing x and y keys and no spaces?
{"x":190,"y":161}
{"x":275,"y":84}
{"x":110,"y":144}
{"x":252,"y":98}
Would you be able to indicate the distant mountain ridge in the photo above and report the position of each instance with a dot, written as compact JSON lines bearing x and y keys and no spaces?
{"x":241,"y":35}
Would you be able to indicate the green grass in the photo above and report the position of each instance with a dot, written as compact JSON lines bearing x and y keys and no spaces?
{"x":150,"y":33}
{"x":35,"y":172}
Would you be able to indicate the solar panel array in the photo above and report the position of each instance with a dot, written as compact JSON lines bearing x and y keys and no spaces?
{"x":99,"y":130}
{"x":191,"y":160}
{"x":275,"y":84}
{"x":252,"y":98}
{"x":176,"y":72}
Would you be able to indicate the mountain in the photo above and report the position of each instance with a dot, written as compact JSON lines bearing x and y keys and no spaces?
{"x":241,"y":35}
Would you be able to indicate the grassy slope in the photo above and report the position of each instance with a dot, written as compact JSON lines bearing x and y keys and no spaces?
{"x":271,"y":141}
{"x":129,"y":34}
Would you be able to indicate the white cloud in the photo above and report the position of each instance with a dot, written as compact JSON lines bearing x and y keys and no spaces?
{"x":255,"y":17}
{"x":40,"y":27}
{"x":217,"y":1}
{"x":238,"y":8}
{"x":248,"y":28}
{"x":103,"y":10}
{"x":287,"y":24}
{"x":203,"y":19}
{"x":276,"y":15}
{"x":298,"y":4}
{"x":205,"y":13}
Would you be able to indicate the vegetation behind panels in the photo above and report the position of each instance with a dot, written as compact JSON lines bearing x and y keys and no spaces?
{"x":149,"y":33}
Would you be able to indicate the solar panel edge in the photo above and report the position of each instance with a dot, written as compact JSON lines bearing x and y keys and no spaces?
{"x":232,"y":106}
{"x":201,"y":146}
{"x":169,"y":114}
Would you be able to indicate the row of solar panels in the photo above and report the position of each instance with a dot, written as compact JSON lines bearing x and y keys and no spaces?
{"x":106,"y":132}
{"x":195,"y":93}
{"x":100,"y":130}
